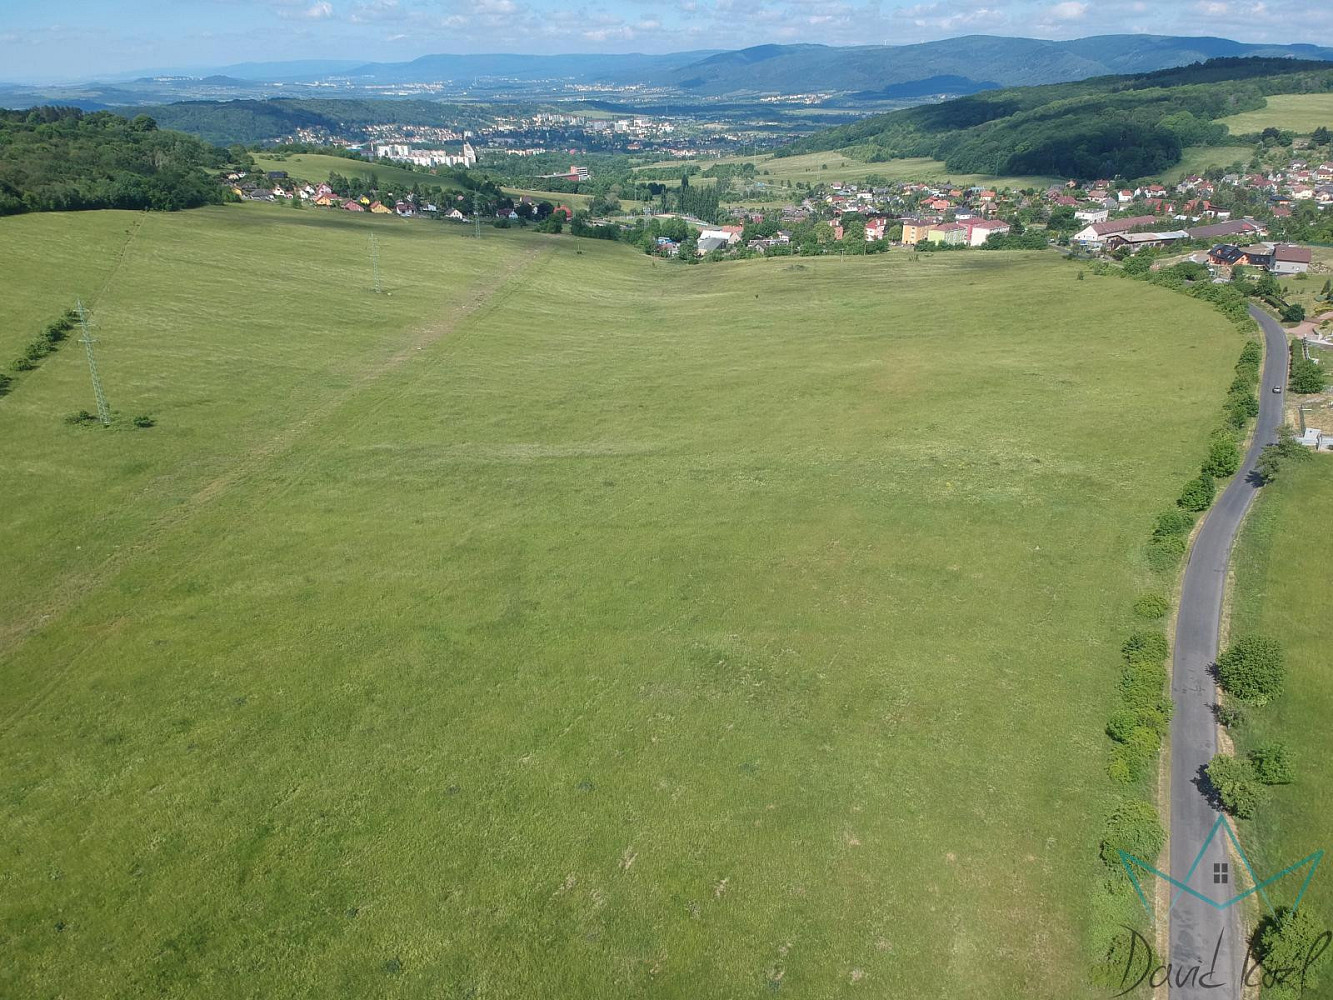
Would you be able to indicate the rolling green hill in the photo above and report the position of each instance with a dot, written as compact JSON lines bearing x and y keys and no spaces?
{"x":565,"y":623}
{"x":1135,"y":126}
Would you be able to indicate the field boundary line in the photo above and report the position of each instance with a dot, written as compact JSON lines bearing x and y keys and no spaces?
{"x":77,"y":586}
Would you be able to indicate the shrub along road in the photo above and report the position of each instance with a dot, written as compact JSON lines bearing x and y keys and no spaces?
{"x":1195,"y":927}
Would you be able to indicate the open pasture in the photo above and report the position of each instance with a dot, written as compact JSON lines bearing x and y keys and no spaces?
{"x":568,"y":623}
{"x":830,"y":167}
{"x":1301,"y":113}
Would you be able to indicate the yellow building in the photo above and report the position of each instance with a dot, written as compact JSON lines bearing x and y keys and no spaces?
{"x":914,"y":231}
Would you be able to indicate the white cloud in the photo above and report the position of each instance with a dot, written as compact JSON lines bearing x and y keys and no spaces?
{"x":1070,"y":10}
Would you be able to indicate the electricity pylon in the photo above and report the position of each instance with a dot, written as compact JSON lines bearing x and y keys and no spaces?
{"x":375,"y":262}
{"x":103,"y":410}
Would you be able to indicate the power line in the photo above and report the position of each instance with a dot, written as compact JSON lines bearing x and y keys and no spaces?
{"x":103,"y":409}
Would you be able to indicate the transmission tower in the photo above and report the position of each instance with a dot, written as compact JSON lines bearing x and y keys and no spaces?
{"x":375,"y":262}
{"x":103,"y":410}
{"x":476,"y":212}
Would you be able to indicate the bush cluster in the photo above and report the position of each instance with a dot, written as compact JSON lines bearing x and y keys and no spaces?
{"x":1272,"y":763}
{"x":1237,"y":785}
{"x":1169,"y":539}
{"x":1231,"y":714}
{"x":1151,"y":605}
{"x":1223,"y":456}
{"x":1168,"y":543}
{"x":1242,"y":403}
{"x":1290,"y":940}
{"x":1253,"y":669}
{"x":43,"y":344}
{"x":1306,"y":376}
{"x":1135,"y":829}
{"x":1275,"y":457}
{"x":1138,"y":726}
{"x":1198,"y":494}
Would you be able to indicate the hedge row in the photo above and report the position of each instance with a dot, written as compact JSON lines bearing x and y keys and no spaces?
{"x":1139,"y":725}
{"x":42,"y":345}
{"x":1169,"y":540}
{"x":1142,"y":719}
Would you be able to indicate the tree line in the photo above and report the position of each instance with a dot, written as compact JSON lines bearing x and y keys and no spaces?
{"x":62,"y":159}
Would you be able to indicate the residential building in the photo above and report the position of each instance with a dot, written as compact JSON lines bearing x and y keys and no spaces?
{"x":1221,"y":230}
{"x":915,"y":230}
{"x":1137,"y":241}
{"x":949,"y":233}
{"x":980,"y":230}
{"x":1289,"y":259}
{"x":1094,"y":236}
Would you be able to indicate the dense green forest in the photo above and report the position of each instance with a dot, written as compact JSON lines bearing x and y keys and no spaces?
{"x":61,"y":159}
{"x":1124,"y":126}
{"x":246,"y":122}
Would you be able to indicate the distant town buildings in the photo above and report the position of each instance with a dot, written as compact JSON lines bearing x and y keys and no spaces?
{"x":404,"y":153}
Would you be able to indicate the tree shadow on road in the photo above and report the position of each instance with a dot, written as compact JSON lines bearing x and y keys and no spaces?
{"x":1206,"y":789}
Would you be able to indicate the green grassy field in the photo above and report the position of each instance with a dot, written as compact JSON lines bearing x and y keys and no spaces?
{"x":1197,"y":159}
{"x":574,"y":201}
{"x":1281,"y":575}
{"x":830,"y":167}
{"x":567,"y":623}
{"x":316,"y":168}
{"x":1301,"y":113}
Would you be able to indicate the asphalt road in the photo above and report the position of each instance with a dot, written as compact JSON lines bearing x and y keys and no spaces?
{"x":1195,"y":927}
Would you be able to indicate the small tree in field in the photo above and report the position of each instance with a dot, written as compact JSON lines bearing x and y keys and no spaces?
{"x":1253,"y":669}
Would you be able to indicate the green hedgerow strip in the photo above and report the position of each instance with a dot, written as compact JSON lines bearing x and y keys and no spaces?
{"x":1142,"y":719}
{"x":41,"y":346}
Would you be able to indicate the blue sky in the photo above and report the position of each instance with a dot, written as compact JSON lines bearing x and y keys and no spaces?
{"x":80,"y":39}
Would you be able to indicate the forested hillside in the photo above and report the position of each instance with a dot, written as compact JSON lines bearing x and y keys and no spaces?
{"x":1106,"y":127}
{"x":226,"y":122}
{"x":61,"y":159}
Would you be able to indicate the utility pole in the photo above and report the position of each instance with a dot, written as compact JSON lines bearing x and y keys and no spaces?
{"x":103,"y":410}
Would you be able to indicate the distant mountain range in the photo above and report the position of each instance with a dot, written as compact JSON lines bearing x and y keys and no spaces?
{"x":977,"y":59}
{"x":971,"y":62}
{"x":851,"y":75}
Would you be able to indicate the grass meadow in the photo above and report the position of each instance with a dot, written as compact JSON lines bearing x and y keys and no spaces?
{"x":1197,"y":159}
{"x":315,"y":168}
{"x":1281,"y":589}
{"x":568,"y":623}
{"x":1301,"y":113}
{"x":833,"y":166}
